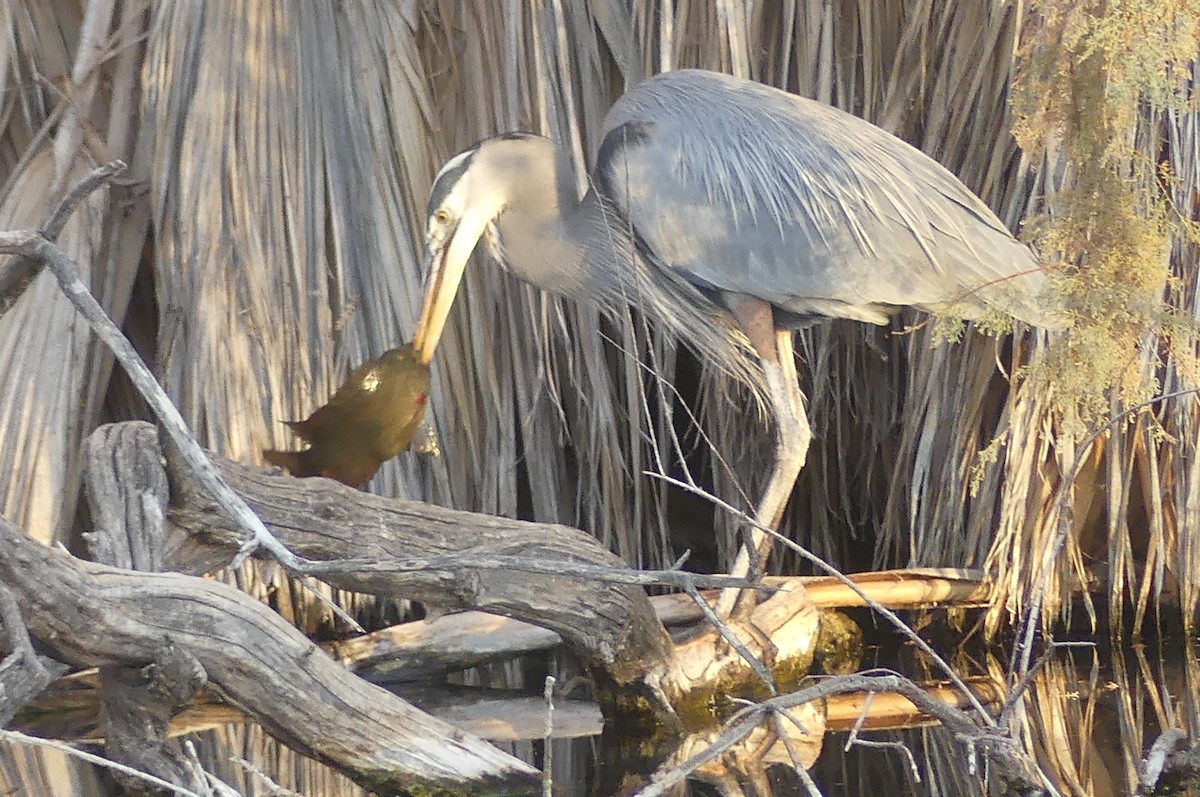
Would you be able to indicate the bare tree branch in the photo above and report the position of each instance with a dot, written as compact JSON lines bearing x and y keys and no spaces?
{"x":93,"y":615}
{"x":447,"y":559}
{"x":20,"y":270}
{"x":22,"y":673}
{"x":33,"y":244}
{"x":984,"y":716}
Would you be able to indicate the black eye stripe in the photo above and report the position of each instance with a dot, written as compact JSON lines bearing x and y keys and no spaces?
{"x":448,"y":179}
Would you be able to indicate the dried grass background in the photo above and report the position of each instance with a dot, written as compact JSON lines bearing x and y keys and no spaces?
{"x":270,"y":236}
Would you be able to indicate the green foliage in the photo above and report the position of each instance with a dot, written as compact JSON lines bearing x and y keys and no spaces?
{"x":1113,"y":291}
{"x":984,"y":459}
{"x":1087,"y":72}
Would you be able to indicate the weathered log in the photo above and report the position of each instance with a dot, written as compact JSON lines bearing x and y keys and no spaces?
{"x":611,"y":627}
{"x":127,"y":494}
{"x":94,"y":615}
{"x":781,"y":632}
{"x":452,"y":642}
{"x":23,"y":674}
{"x":136,"y":707}
{"x":422,"y":648}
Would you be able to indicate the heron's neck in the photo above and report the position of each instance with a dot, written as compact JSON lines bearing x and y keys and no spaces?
{"x":549,"y":238}
{"x":586,"y":249}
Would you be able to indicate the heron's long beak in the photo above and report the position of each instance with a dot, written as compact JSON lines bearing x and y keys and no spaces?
{"x":444,"y":265}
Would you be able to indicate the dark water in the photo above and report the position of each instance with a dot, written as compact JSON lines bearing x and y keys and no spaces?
{"x":1090,"y":717}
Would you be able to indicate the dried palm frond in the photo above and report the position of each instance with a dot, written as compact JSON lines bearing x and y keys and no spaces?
{"x":288,"y":150}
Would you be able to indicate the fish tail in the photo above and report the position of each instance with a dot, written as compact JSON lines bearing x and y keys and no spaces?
{"x":294,"y":461}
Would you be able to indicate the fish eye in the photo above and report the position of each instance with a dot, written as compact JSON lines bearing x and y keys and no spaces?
{"x":441,"y":216}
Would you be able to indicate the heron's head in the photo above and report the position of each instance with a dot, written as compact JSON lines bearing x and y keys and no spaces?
{"x":468,"y":195}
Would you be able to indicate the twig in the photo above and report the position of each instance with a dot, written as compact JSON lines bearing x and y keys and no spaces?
{"x":20,"y":270}
{"x":912,"y":762}
{"x":656,"y":374}
{"x":97,"y":177}
{"x":218,"y":787}
{"x":273,"y":788}
{"x":792,"y":718}
{"x":781,"y":733}
{"x":547,"y":741}
{"x":21,"y":738}
{"x":1028,"y":676}
{"x":858,"y":723}
{"x":557,"y":567}
{"x":888,"y":614}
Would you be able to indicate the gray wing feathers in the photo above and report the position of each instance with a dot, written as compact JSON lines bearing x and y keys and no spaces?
{"x":744,"y":188}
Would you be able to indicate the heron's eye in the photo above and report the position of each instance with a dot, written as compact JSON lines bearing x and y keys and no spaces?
{"x":441,"y":217}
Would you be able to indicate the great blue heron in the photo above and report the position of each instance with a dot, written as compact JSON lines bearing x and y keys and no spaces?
{"x":732,"y":213}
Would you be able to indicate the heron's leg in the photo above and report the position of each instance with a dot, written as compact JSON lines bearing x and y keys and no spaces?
{"x":792,"y":436}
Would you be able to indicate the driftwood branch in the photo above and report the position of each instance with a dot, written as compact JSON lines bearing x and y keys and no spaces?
{"x":19,"y":271}
{"x":35,"y":246}
{"x":127,"y":494}
{"x":126,"y":489}
{"x":95,"y":615}
{"x":612,"y":626}
{"x":22,"y":673}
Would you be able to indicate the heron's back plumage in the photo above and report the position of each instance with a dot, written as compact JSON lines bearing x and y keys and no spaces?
{"x":740,"y":187}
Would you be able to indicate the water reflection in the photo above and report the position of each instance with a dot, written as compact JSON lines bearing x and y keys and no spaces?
{"x":1089,"y":718}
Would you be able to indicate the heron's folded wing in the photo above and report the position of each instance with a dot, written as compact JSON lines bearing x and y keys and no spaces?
{"x":745,"y":188}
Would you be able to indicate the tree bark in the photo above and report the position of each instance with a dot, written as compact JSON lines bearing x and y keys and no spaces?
{"x":23,"y":674}
{"x":94,"y":615}
{"x":127,"y":495}
{"x":611,"y":627}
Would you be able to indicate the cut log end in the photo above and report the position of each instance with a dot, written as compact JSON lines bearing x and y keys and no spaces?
{"x":706,"y":670}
